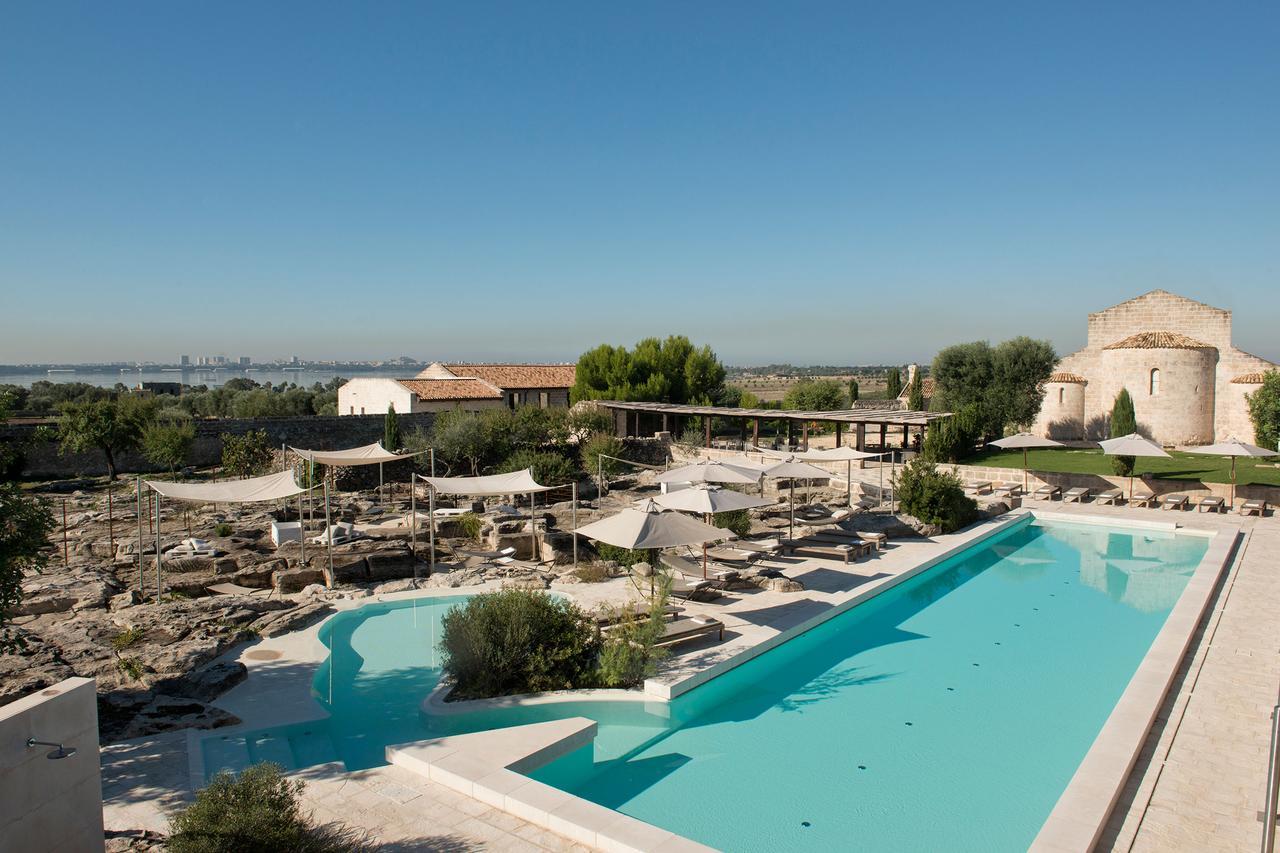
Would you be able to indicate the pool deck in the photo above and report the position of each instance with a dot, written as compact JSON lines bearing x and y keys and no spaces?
{"x":1198,"y":782}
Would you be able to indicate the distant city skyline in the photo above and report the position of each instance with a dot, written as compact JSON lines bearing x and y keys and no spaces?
{"x":837,"y":183}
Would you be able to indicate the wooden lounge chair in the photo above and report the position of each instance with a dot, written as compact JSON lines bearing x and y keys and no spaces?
{"x":835,"y":518}
{"x":1110,"y":496}
{"x":827,"y":550}
{"x":1212,"y":503}
{"x":759,"y":546}
{"x":1048,"y":492}
{"x":1255,"y":506}
{"x":876,"y":540}
{"x":1010,"y":489}
{"x":633,"y":610}
{"x":979,"y":487}
{"x":1142,"y":499}
{"x":716,"y":574}
{"x":1078,"y":494}
{"x":689,"y":628}
{"x":861,"y":546}
{"x":1174,"y":502}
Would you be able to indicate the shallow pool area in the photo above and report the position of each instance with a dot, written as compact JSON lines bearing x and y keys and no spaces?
{"x":947,"y":712}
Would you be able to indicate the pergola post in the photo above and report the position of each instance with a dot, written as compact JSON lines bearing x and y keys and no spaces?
{"x":906,"y":435}
{"x":742,"y":432}
{"x":884,"y":436}
{"x":706,"y":429}
{"x":804,"y":435}
{"x":791,"y":433}
{"x":755,"y":432}
{"x":839,"y":431}
{"x":666,"y":422}
{"x":860,"y":437}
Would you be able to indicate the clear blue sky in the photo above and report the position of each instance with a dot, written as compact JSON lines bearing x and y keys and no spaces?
{"x":843,"y":182}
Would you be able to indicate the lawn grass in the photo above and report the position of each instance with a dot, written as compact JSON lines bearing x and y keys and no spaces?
{"x":1183,"y":466}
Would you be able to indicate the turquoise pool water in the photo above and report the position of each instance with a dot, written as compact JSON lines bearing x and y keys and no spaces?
{"x":947,"y":713}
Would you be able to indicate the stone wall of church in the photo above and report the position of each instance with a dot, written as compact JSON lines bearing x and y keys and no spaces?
{"x":1161,"y":311}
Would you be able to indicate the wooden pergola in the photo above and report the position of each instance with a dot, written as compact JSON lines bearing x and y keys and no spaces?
{"x":627,"y":416}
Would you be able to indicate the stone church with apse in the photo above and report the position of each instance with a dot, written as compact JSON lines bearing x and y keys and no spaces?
{"x":1174,"y":355}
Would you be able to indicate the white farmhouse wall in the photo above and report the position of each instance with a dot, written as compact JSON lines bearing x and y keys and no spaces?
{"x":51,"y":805}
{"x":371,"y":396}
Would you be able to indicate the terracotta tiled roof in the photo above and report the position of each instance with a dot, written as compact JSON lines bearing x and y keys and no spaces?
{"x":927,"y":387}
{"x":1249,"y":379}
{"x":1158,"y":340}
{"x":519,"y":375}
{"x":1067,"y":377}
{"x":452,"y":389}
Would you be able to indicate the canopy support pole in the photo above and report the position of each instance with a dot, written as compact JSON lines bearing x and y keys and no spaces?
{"x":848,"y":479}
{"x":413,"y":524}
{"x":328,"y":535}
{"x":302,"y":529}
{"x":141,"y":579}
{"x":533,"y":533}
{"x":791,"y":521}
{"x":431,"y":518}
{"x":575,"y":524}
{"x":159,"y":588}
{"x":381,"y":499}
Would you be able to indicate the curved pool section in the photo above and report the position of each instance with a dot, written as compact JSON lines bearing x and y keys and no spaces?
{"x":948,"y":712}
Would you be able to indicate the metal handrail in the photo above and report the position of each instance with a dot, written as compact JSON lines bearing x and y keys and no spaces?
{"x":1273,"y":786}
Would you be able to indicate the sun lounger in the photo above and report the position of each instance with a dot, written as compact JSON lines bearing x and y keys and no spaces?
{"x":477,"y":557}
{"x":1078,"y":494}
{"x":827,"y":550}
{"x":979,"y":487}
{"x":877,"y":540}
{"x":1254,"y":507}
{"x":341,"y":533}
{"x":843,"y":537}
{"x":1010,"y":489}
{"x":234,"y":589}
{"x":1110,"y":496}
{"x":635,"y":610}
{"x":1212,"y":503}
{"x":1142,"y":499}
{"x":835,"y":518}
{"x":679,"y":630}
{"x":1174,"y":502}
{"x":1048,"y":492}
{"x":681,"y":587}
{"x":193,"y":548}
{"x":760,"y":546}
{"x":716,"y":574}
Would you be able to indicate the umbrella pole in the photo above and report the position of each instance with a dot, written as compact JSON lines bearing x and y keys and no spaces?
{"x":848,"y":479}
{"x":704,"y":551}
{"x":1024,"y":470}
{"x":1233,"y":482}
{"x":328,"y":533}
{"x":575,"y":524}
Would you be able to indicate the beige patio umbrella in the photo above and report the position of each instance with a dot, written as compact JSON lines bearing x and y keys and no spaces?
{"x":848,"y":455}
{"x":709,"y":500}
{"x":645,"y":525}
{"x":1024,"y":441}
{"x":710,"y":471}
{"x":792,"y":468}
{"x":1132,"y":445}
{"x":1232,"y":447}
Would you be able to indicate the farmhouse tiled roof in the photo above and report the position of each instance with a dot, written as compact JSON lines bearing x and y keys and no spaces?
{"x":1068,"y":377}
{"x":1249,"y":379}
{"x":452,"y":389}
{"x":519,"y":375}
{"x":1158,"y":340}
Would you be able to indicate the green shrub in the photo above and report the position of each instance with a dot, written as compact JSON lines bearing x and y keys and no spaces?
{"x":591,"y":573}
{"x":626,"y":557}
{"x":608,"y":445}
{"x":257,"y":811}
{"x":933,"y":496}
{"x":471,"y":525}
{"x":517,"y":641}
{"x":131,"y":667}
{"x":628,"y":655}
{"x":222,"y":529}
{"x":246,"y":455}
{"x":737,"y":520}
{"x":126,"y":638}
{"x":549,"y":469}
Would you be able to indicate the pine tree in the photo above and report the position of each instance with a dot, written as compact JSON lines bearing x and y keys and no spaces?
{"x":1124,"y":421}
{"x":893,"y":384}
{"x":391,"y":429}
{"x":915,"y":396}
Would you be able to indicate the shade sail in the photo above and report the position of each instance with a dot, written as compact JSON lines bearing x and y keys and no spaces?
{"x":370,"y":454}
{"x":706,"y":498}
{"x":709,"y":471}
{"x":515,"y":483}
{"x":272,"y":487}
{"x":1132,"y":445}
{"x":1024,"y":440}
{"x":837,"y":454}
{"x":646,"y":526}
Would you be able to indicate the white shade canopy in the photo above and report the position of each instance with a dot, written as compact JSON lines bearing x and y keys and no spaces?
{"x":709,"y":471}
{"x":792,"y":468}
{"x":1231,"y":447}
{"x":514,"y":483}
{"x":1132,"y":445}
{"x":844,"y":453}
{"x":370,"y":454}
{"x":706,"y":498}
{"x":1024,"y":440}
{"x":646,"y":526}
{"x":272,"y":487}
{"x":744,"y":462}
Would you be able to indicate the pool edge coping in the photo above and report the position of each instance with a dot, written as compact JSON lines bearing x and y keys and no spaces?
{"x":1083,"y":809}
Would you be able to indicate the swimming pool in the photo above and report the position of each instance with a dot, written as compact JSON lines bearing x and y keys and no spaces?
{"x":948,"y":712}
